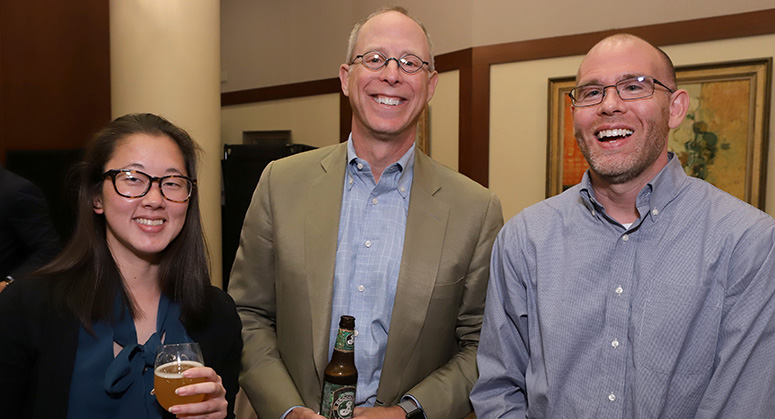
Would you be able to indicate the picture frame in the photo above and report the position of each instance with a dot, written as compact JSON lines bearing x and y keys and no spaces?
{"x":723,"y":139}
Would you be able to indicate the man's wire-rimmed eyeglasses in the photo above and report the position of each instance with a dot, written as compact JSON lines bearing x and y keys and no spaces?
{"x":632,"y":88}
{"x":375,"y":60}
{"x":135,"y":184}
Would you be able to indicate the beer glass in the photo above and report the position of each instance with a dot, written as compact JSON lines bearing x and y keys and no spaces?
{"x":171,"y":361}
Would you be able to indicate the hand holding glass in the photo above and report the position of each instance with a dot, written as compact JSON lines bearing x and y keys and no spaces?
{"x":171,"y":361}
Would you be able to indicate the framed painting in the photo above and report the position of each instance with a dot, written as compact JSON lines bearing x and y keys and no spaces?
{"x":723,"y":139}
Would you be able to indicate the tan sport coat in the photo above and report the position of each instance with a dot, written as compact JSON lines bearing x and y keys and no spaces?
{"x":282,"y":282}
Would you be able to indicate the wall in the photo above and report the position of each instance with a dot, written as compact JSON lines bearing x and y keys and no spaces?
{"x":518,"y":112}
{"x":313,"y":120}
{"x":444,"y":110}
{"x":499,"y":21}
{"x":268,"y":42}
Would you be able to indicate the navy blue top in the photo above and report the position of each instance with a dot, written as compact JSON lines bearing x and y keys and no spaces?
{"x":107,"y":387}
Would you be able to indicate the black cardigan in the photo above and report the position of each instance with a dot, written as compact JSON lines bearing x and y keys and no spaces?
{"x":38,"y":345}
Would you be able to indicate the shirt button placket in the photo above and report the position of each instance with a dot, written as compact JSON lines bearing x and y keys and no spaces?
{"x":617,"y":323}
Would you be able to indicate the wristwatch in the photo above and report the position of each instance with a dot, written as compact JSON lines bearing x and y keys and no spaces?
{"x":8,"y":279}
{"x":411,"y":409}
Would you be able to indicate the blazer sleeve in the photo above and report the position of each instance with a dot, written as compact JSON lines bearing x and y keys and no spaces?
{"x":16,"y":353}
{"x":37,"y":351}
{"x":444,"y":393}
{"x":29,"y":218}
{"x":264,"y":376}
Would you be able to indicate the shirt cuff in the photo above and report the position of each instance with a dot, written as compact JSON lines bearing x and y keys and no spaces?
{"x":410,"y":397}
{"x":288,"y":411}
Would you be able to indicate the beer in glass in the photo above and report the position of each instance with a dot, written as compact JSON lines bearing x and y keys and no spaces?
{"x":171,"y":361}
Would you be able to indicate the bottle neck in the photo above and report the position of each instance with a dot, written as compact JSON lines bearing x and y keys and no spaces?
{"x":345,"y":341}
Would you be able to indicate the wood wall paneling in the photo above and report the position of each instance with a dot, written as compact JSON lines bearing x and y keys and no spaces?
{"x":285,"y":91}
{"x":54,"y":73}
{"x":345,"y":117}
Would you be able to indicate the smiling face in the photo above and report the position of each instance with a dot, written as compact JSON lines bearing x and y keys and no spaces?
{"x":387,"y":103}
{"x":141,"y":228}
{"x":626,"y":140}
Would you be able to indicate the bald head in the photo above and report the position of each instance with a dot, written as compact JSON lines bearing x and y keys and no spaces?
{"x":665,"y":70}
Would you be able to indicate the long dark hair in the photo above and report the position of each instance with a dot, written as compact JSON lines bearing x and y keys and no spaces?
{"x":86,"y":275}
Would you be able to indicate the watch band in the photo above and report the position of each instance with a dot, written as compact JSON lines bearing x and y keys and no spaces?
{"x":411,"y":409}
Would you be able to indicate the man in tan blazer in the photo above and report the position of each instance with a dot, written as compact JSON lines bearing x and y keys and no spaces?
{"x":285,"y":273}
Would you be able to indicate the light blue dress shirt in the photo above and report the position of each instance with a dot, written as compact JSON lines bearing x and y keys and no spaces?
{"x":368,"y":258}
{"x":673,"y":317}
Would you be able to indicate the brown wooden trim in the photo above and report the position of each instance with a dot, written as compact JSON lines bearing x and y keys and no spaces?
{"x":285,"y":91}
{"x":453,"y":60}
{"x":684,"y":32}
{"x":473,"y":140}
{"x":345,"y":117}
{"x":473,"y":155}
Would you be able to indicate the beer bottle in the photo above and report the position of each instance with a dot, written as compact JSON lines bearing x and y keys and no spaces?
{"x":338,"y":400}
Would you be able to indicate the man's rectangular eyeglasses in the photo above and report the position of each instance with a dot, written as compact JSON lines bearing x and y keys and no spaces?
{"x":628,"y":89}
{"x":375,"y":60}
{"x":135,"y":184}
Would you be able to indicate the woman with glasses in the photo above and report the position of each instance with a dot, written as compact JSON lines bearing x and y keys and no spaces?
{"x":78,"y":338}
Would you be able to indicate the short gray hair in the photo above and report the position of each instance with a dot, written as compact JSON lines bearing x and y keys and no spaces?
{"x":357,"y":30}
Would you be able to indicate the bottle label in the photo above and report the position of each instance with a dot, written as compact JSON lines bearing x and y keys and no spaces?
{"x":338,"y":401}
{"x":345,"y":341}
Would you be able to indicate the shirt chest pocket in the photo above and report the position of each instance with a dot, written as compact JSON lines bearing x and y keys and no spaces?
{"x":677,"y":331}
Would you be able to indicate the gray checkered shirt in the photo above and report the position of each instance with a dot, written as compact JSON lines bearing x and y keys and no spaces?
{"x":673,"y":317}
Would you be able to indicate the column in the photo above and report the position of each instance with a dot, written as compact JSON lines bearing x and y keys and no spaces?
{"x":165,"y":59}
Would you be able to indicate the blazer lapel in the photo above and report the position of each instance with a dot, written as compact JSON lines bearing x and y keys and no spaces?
{"x":324,"y":201}
{"x":426,"y":224}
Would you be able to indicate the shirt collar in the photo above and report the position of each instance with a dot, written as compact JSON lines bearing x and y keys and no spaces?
{"x":653,"y":198}
{"x":405,"y":165}
{"x":663,"y":188}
